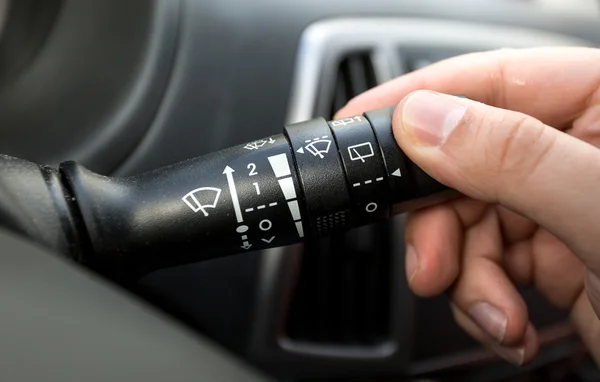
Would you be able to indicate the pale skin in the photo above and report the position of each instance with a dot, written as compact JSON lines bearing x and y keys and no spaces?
{"x":526,"y":156}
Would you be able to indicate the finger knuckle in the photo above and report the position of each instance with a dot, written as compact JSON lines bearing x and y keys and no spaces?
{"x":511,"y":150}
{"x":517,"y":147}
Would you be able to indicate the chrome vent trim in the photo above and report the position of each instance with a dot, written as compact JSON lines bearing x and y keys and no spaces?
{"x":325,"y":42}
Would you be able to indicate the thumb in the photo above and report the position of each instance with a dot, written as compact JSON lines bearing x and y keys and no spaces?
{"x":505,"y":157}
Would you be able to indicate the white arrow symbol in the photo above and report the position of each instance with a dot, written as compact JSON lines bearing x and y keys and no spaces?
{"x":246,"y":245}
{"x":234,"y":197}
{"x":271,"y":140}
{"x":300,"y":150}
{"x":268,"y":241}
{"x":397,"y":173}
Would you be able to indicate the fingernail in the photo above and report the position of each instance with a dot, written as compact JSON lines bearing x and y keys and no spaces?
{"x":513,"y":355}
{"x":412,"y":263}
{"x":429,"y":117}
{"x":490,"y":319}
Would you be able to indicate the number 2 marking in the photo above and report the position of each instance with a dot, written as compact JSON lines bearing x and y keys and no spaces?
{"x":257,"y":189}
{"x":252,"y":168}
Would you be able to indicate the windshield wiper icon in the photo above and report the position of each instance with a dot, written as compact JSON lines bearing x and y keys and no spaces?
{"x":319,"y":147}
{"x":202,"y":198}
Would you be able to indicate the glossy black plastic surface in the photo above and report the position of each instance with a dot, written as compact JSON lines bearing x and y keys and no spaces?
{"x":242,"y":198}
{"x":394,"y":159}
{"x":363,"y":164}
{"x":266,"y":193}
{"x":322,"y":176}
{"x":34,"y":204}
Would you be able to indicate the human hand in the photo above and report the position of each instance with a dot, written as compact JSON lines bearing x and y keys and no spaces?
{"x":531,"y":211}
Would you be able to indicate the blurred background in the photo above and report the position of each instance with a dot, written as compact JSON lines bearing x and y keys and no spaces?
{"x":125,"y":86}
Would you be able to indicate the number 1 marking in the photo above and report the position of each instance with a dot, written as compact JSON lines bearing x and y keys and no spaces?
{"x":257,"y":189}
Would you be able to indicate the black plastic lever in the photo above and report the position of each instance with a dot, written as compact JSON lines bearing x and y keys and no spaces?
{"x":317,"y":178}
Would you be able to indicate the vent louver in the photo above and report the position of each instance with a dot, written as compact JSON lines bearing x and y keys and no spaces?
{"x":342,"y":296}
{"x":343,"y":292}
{"x":355,"y":75}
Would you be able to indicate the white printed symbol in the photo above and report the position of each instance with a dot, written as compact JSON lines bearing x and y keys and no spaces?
{"x":268,"y":240}
{"x":299,"y":228}
{"x":371,"y":207}
{"x":345,"y":121}
{"x":281,"y":168}
{"x":242,"y":230}
{"x":319,"y":146}
{"x":369,"y":181}
{"x":294,"y":209}
{"x":287,"y":187}
{"x":234,"y":197}
{"x":258,"y":144}
{"x":361,"y":151}
{"x":397,"y":173}
{"x":280,"y":165}
{"x":202,"y":198}
{"x":261,"y":207}
{"x":265,"y":225}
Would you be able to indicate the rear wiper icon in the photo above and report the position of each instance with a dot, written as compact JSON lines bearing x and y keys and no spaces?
{"x":202,"y":198}
{"x":361,"y":151}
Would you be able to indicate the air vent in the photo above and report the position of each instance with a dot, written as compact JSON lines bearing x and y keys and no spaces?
{"x":355,"y":75}
{"x":342,"y":296}
{"x":343,"y":292}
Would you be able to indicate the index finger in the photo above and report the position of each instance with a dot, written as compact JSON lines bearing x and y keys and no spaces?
{"x":553,"y":85}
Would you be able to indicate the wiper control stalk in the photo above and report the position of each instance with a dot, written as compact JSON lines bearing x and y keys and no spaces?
{"x":316,"y":178}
